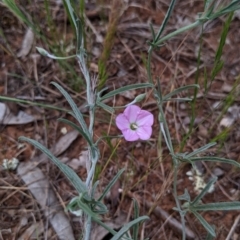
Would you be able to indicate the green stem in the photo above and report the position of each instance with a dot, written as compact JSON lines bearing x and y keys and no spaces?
{"x":87,"y":227}
{"x":177,"y":201}
{"x":92,"y":160}
{"x":149,"y":72}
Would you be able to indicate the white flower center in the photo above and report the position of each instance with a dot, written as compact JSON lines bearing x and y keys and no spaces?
{"x":133,"y":126}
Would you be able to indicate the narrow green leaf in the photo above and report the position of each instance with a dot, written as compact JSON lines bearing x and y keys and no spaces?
{"x":201,"y":149}
{"x":113,"y":232}
{"x":153,"y":32}
{"x":136,"y":215}
{"x":77,"y":114}
{"x":215,"y":159}
{"x":179,"y":100}
{"x":226,"y":206}
{"x":67,"y":171}
{"x":105,"y":107}
{"x":165,"y":21}
{"x":94,"y":189}
{"x":72,"y":17}
{"x":42,"y":105}
{"x":203,"y":192}
{"x":209,"y":236}
{"x":110,"y":184}
{"x":218,"y":63}
{"x":126,"y":88}
{"x":207,"y":226}
{"x":207,"y":4}
{"x":17,"y":12}
{"x":216,"y":69}
{"x":87,"y":210}
{"x":166,"y":134}
{"x":179,"y":90}
{"x":158,"y":94}
{"x":73,"y":207}
{"x":125,"y":228}
{"x":74,"y":126}
{"x":100,"y":208}
{"x":233,"y":6}
{"x":208,"y":9}
{"x":80,"y":35}
{"x":185,"y":196}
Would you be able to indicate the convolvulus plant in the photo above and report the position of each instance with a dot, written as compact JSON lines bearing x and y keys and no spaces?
{"x":91,"y":207}
{"x":135,"y":124}
{"x":209,"y":13}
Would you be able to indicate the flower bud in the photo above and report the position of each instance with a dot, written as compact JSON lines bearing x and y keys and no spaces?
{"x":137,"y":99}
{"x":42,"y":51}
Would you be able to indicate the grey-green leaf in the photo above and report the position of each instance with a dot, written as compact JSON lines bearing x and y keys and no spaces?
{"x":105,"y":107}
{"x":126,"y":88}
{"x":136,"y":215}
{"x":125,"y":228}
{"x":200,"y":150}
{"x":215,"y":159}
{"x":185,"y":196}
{"x":209,"y":236}
{"x":219,"y":206}
{"x":77,"y":114}
{"x":207,"y":226}
{"x":179,"y":90}
{"x":73,"y":19}
{"x":204,"y":191}
{"x":68,"y":172}
{"x":86,"y":209}
{"x":165,"y":20}
{"x":73,"y":125}
{"x":110,"y":184}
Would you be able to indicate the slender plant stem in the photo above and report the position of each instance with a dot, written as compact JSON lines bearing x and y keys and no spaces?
{"x":88,"y":224}
{"x":92,"y":160}
{"x":167,"y":133}
{"x":177,"y":201}
{"x":149,"y":72}
{"x":163,"y":121}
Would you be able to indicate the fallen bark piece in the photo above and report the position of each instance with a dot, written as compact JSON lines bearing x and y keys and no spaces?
{"x":32,"y":232}
{"x":27,"y":43}
{"x":98,"y":232}
{"x":40,"y":188}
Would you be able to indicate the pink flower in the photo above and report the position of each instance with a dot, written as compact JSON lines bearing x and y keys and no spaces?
{"x":135,"y":123}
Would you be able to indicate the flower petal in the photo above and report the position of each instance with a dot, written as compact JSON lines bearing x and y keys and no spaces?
{"x":131,"y":113}
{"x":141,"y":118}
{"x":145,"y":118}
{"x":144,"y":132}
{"x":122,"y":122}
{"x":130,"y":135}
